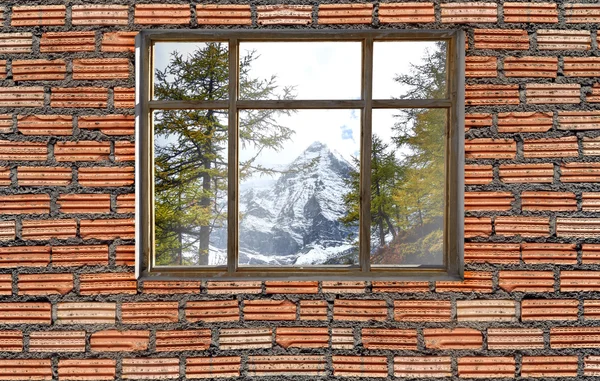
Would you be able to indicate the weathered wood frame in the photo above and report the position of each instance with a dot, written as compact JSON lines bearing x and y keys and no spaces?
{"x":453,"y":103}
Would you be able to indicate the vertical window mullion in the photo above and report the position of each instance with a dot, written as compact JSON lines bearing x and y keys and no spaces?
{"x":365,"y":157}
{"x":232,"y":169}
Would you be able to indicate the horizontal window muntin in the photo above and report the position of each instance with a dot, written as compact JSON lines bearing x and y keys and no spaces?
{"x":450,"y":104}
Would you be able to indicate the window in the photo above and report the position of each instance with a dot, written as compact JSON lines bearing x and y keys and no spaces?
{"x":300,"y":155}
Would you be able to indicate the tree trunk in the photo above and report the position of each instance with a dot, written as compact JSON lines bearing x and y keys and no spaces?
{"x":205,"y":201}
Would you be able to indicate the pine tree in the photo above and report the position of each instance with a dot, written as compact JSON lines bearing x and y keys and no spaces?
{"x":191,"y":149}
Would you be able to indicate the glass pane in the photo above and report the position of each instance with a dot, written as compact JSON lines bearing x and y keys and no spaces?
{"x":190,"y":194}
{"x":300,"y":70}
{"x":191,"y":71}
{"x":298,"y":187}
{"x":407,"y":187}
{"x":409,"y":69}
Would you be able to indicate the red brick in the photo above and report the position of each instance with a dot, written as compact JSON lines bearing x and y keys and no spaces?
{"x":581,"y":66}
{"x":577,"y":13}
{"x":109,"y":124}
{"x":343,"y":287}
{"x":549,"y":309}
{"x":549,"y":366}
{"x":422,"y":310}
{"x":593,"y":96}
{"x":591,"y":366}
{"x":474,"y":281}
{"x":526,"y":281}
{"x":223,"y":14}
{"x":481,"y":67}
{"x":292,"y":287}
{"x":590,"y":201}
{"x":154,"y":14}
{"x":84,"y":203}
{"x":23,"y":151}
{"x":39,"y":70}
{"x":490,"y":95}
{"x":285,"y":365}
{"x":269,"y":310}
{"x":469,"y":12}
{"x":478,"y":174}
{"x":402,"y":287}
{"x":26,"y":370}
{"x":342,"y":338}
{"x":245,"y":338}
{"x":125,"y":255}
{"x":6,"y":123}
{"x":247,"y":287}
{"x":557,"y":201}
{"x":212,"y":367}
{"x":38,"y":15}
{"x":57,"y":341}
{"x":124,"y":97}
{"x":67,"y":42}
{"x":25,"y":204}
{"x":409,"y":13}
{"x":579,"y":120}
{"x":86,"y":369}
{"x":45,"y":284}
{"x":86,"y":313}
{"x":553,"y":39}
{"x":171,"y":287}
{"x":578,"y":227}
{"x":591,"y":146}
{"x":150,"y":368}
{"x":393,"y":339}
{"x":118,"y":41}
{"x":82,"y":151}
{"x":126,"y":203}
{"x":80,"y":255}
{"x":20,"y":96}
{"x":345,"y":13}
{"x":45,"y":124}
{"x":107,"y":283}
{"x":100,"y":14}
{"x":534,"y":67}
{"x":554,"y":253}
{"x":360,"y":366}
{"x":149,"y":312}
{"x":478,"y":227}
{"x":553,"y":93}
{"x":212,"y":311}
{"x":527,"y":173}
{"x":511,"y":122}
{"x":44,"y":176}
{"x":505,"y":39}
{"x":100,"y":68}
{"x":313,"y":310}
{"x":79,"y":97}
{"x":522,"y":226}
{"x":488,"y":200}
{"x":25,"y":313}
{"x":477,"y":120}
{"x":591,"y":309}
{"x":106,"y":176}
{"x":496,"y":253}
{"x":486,"y":367}
{"x":124,"y":151}
{"x":457,"y":338}
{"x":485,"y":148}
{"x":190,"y":340}
{"x":530,"y":13}
{"x":11,"y":341}
{"x":422,"y":367}
{"x":107,"y":229}
{"x":580,"y":172}
{"x":485,"y":310}
{"x":24,"y":256}
{"x":6,"y":284}
{"x":579,"y":281}
{"x":12,"y":43}
{"x":281,"y":14}
{"x":7,"y":231}
{"x":359,"y":310}
{"x":574,"y":337}
{"x":48,"y":229}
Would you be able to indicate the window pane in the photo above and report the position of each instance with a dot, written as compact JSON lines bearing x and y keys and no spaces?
{"x":300,"y":70}
{"x":409,"y":69}
{"x":407,"y":187}
{"x":191,"y":71}
{"x":190,"y":194}
{"x":298,"y":187}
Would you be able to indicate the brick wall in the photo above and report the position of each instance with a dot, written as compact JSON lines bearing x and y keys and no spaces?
{"x":71,"y":309}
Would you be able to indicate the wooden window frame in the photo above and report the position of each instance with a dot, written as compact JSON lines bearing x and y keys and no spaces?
{"x":454,"y":182}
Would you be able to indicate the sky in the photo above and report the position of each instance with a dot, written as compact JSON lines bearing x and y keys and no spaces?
{"x":322,"y":70}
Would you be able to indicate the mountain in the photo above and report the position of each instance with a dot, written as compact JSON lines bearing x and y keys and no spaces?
{"x":294,"y":220}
